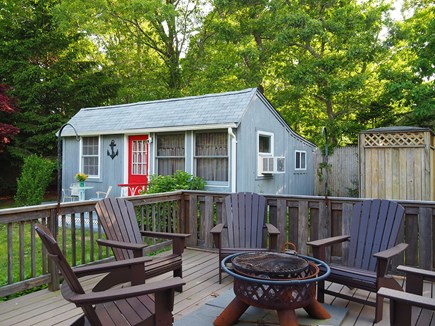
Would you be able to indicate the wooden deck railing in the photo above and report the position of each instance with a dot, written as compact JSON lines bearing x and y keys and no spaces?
{"x":299,"y":218}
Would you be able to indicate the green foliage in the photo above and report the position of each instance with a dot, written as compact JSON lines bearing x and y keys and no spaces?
{"x":35,"y":177}
{"x":180,"y":180}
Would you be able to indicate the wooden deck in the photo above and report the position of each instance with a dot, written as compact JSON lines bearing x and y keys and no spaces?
{"x":200,"y":273}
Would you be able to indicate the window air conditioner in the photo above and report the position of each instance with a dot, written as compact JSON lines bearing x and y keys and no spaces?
{"x":271,"y":164}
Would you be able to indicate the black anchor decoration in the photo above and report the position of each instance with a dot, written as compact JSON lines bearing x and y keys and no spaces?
{"x":113,"y":154}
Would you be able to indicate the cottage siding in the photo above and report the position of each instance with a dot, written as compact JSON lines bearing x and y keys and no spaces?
{"x":243,"y":113}
{"x":110,"y":169}
{"x":260,"y":117}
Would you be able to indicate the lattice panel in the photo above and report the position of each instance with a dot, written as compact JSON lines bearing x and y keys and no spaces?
{"x":394,"y":140}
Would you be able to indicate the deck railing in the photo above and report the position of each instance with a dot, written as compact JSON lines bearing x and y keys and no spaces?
{"x":24,"y":263}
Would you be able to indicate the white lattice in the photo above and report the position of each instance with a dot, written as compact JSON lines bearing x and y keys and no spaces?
{"x":397,"y":139}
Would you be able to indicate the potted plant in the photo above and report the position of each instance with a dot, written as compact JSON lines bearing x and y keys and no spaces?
{"x":81,"y":178}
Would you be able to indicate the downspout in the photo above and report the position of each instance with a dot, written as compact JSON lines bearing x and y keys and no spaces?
{"x":233,"y":159}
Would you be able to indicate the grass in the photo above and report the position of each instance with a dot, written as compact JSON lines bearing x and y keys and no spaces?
{"x":38,"y":253}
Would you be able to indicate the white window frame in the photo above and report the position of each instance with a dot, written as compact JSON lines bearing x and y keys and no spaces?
{"x":91,"y":176}
{"x":157,"y":157}
{"x":258,"y":153}
{"x":267,"y":134}
{"x":227,"y":157}
{"x":299,"y":160}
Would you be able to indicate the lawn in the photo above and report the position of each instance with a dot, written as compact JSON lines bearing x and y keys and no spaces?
{"x":26,"y":268}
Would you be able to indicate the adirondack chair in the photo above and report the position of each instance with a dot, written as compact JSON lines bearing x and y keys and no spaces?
{"x":402,"y":303}
{"x":118,"y":218}
{"x":128,"y":305}
{"x":244,"y":227}
{"x":372,"y":243}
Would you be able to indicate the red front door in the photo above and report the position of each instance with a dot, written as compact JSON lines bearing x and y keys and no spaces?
{"x":137,"y":164}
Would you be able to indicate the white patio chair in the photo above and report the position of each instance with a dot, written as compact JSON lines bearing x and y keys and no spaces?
{"x":103,"y":194}
{"x":72,"y":194}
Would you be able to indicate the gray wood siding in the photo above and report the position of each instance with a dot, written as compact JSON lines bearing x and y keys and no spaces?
{"x":250,"y":111}
{"x":260,"y":118}
{"x":111,"y":170}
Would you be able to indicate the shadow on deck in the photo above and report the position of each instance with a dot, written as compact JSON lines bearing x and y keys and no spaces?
{"x":200,"y":273}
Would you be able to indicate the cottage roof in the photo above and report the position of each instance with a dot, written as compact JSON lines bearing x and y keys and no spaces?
{"x":212,"y":110}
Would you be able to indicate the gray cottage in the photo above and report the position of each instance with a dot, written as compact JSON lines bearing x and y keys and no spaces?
{"x":236,"y":141}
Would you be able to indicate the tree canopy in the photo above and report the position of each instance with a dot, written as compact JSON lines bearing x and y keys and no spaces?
{"x":346,"y":65}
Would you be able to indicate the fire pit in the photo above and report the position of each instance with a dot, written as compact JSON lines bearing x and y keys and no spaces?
{"x":272,"y":280}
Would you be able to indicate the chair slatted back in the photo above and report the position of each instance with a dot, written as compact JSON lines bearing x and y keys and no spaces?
{"x":118,"y":218}
{"x":245,"y":213}
{"x":375,"y":227}
{"x":70,"y":278}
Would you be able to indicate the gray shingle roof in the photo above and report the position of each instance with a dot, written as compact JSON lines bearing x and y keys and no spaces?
{"x":212,"y":109}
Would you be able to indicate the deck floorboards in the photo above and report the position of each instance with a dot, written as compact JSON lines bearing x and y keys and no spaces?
{"x":200,"y":273}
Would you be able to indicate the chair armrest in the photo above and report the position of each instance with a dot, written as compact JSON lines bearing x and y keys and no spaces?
{"x":110,"y":267}
{"x":271,"y":229}
{"x":319,"y":246}
{"x":126,"y":292}
{"x":165,"y":235}
{"x":415,"y":278}
{"x":389,"y":253}
{"x":383,"y":257}
{"x":178,"y":239}
{"x":328,"y":241}
{"x":273,"y":235}
{"x":217,"y":229}
{"x":121,"y":244}
{"x":408,"y":298}
{"x":426,"y":274}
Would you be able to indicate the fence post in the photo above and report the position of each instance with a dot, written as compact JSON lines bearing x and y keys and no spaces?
{"x":54,"y":280}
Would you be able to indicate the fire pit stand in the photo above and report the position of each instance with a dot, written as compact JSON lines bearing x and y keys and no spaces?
{"x":271,"y":280}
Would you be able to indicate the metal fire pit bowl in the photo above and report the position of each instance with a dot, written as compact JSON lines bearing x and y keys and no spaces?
{"x":272,"y":265}
{"x":285,"y":286}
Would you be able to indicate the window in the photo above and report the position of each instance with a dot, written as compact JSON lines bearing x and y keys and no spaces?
{"x":170,"y":153}
{"x":265,"y":143}
{"x":300,"y":160}
{"x":139,"y":155}
{"x":264,"y":151}
{"x":211,"y":156}
{"x":90,"y":156}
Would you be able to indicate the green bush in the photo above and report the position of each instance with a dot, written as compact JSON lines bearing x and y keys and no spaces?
{"x":34,"y":180}
{"x":180,"y":180}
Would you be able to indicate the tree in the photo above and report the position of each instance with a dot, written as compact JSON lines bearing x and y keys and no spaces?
{"x":315,"y":60}
{"x":410,"y":72}
{"x":52,"y":73}
{"x":8,"y":106}
{"x":143,"y":41}
{"x":35,"y":177}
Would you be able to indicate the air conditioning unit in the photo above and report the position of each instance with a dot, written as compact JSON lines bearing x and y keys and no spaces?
{"x":271,"y":164}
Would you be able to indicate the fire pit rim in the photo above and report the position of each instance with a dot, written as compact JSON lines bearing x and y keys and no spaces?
{"x":316,"y":261}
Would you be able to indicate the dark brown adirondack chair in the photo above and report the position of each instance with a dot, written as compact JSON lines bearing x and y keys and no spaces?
{"x":118,"y":218}
{"x":244,"y":228}
{"x":142,"y":304}
{"x":372,"y":242}
{"x":402,"y":303}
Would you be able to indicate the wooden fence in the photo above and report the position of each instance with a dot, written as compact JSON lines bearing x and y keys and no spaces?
{"x":342,"y":172}
{"x":299,"y":218}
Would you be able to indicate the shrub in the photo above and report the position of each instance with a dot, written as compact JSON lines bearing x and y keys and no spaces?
{"x":34,"y":180}
{"x":180,"y":180}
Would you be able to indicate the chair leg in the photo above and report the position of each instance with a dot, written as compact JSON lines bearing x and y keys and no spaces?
{"x":178,"y":273}
{"x":379,"y":308}
{"x":164,"y":304}
{"x":320,"y":291}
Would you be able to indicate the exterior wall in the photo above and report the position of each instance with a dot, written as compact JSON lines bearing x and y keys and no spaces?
{"x":111,"y":170}
{"x":397,"y":166}
{"x":260,"y":118}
